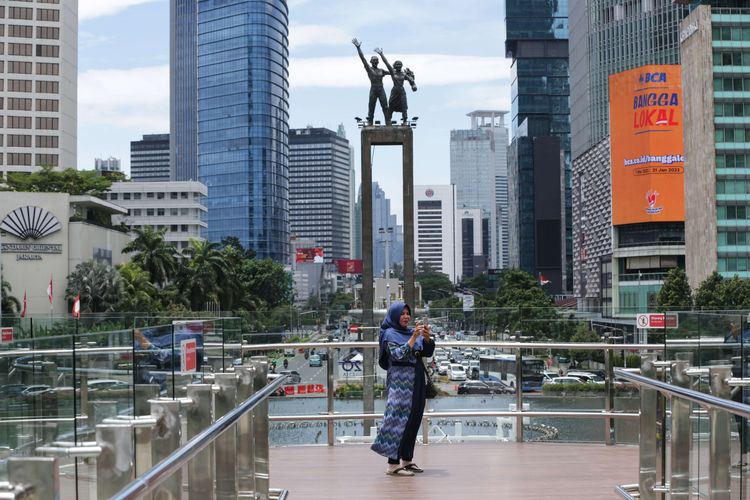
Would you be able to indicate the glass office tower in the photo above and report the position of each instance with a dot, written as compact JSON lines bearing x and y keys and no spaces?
{"x":183,"y":90}
{"x":243,"y":114}
{"x":539,"y":192}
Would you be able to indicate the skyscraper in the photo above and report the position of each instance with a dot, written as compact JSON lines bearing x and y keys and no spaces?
{"x":539,"y":191}
{"x":435,"y":239}
{"x":319,"y":189}
{"x":40,"y":89}
{"x":608,"y":38}
{"x":479,"y":170}
{"x":183,"y":89}
{"x":149,"y":158}
{"x":243,"y":113}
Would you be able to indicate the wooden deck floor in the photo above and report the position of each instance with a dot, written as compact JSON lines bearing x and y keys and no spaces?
{"x":507,"y":471}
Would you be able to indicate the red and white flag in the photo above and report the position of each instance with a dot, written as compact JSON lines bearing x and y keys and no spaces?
{"x":542,"y":281}
{"x":23,"y":311}
{"x":77,"y":307}
{"x":49,"y":289}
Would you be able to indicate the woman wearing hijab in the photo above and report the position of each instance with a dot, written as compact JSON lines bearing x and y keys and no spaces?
{"x":400,"y":351}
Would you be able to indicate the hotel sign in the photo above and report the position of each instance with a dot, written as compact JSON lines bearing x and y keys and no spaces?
{"x":30,"y":222}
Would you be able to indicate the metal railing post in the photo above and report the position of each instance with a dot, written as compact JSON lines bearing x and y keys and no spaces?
{"x":519,"y":396}
{"x":679,"y":481}
{"x":114,"y":466}
{"x":647,"y":446}
{"x":260,"y":429}
{"x":226,"y":445}
{"x":200,"y":417}
{"x":142,"y":394}
{"x":609,"y":395}
{"x":719,"y":487}
{"x":245,"y":444}
{"x":165,"y":438}
{"x":329,"y":396}
{"x":100,"y":410}
{"x":41,"y":472}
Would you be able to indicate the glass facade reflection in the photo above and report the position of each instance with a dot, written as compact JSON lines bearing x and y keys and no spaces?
{"x":243,"y":113}
{"x":537,"y":41}
{"x":183,"y":90}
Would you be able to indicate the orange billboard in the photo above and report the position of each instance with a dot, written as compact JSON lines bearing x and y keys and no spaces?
{"x":648,"y":162}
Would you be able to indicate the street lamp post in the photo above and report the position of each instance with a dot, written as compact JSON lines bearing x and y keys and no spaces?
{"x":385,"y":234}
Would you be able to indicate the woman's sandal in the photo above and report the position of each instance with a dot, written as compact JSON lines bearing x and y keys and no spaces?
{"x":399,"y":471}
{"x":413,"y":467}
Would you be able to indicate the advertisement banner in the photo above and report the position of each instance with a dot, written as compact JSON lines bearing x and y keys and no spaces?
{"x":349,"y":266}
{"x":645,"y":116}
{"x":6,"y":335}
{"x":309,"y":255}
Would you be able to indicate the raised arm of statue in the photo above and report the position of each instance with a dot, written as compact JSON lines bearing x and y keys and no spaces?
{"x":358,"y":44}
{"x":385,"y":61}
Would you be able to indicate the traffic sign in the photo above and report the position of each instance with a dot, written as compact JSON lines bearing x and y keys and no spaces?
{"x":188,"y":355}
{"x":656,"y":320}
{"x":6,"y":335}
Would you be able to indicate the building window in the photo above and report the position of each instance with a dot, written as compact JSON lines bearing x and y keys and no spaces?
{"x":150,"y":212}
{"x":20,"y":67}
{"x":20,"y":13}
{"x":19,"y":122}
{"x":47,"y":69}
{"x":20,"y":159}
{"x":47,"y":15}
{"x":113,"y":196}
{"x":48,"y":50}
{"x":20,"y":49}
{"x":159,"y":196}
{"x":46,"y":159}
{"x":47,"y":87}
{"x":136,"y":196}
{"x":47,"y":33}
{"x":44,"y":123}
{"x":160,"y":212}
{"x":20,"y":31}
{"x":125,"y":196}
{"x":47,"y":141}
{"x":19,"y":104}
{"x":19,"y":85}
{"x":18,"y":141}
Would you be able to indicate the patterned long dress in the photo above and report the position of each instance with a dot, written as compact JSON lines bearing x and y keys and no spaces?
{"x":405,"y":402}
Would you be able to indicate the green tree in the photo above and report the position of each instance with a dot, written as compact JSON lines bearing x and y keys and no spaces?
{"x":675,"y":293}
{"x":434,"y":285}
{"x":584,"y":335}
{"x":735,"y":293}
{"x":709,"y":294}
{"x":153,"y":254}
{"x":10,"y":304}
{"x":99,"y":286}
{"x":524,"y":306}
{"x":268,"y":282}
{"x":341,"y":301}
{"x":205,"y":270}
{"x":138,"y":293}
{"x":71,"y":181}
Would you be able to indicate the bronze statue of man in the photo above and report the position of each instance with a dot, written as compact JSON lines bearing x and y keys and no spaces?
{"x":397,"y":100}
{"x":377,"y":92}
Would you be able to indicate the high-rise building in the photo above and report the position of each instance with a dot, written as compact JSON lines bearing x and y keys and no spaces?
{"x":110,"y":164}
{"x":183,"y":89}
{"x":243,"y":114}
{"x":539,"y":186}
{"x":319,"y":189}
{"x":384,"y":220}
{"x":479,"y":171}
{"x":40,"y":87}
{"x":149,"y":158}
{"x":472,"y":240}
{"x":715,"y":46}
{"x":614,"y":267}
{"x":178,"y":208}
{"x":435,"y":229}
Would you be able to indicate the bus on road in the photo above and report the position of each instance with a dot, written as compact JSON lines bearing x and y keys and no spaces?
{"x":503,"y":367}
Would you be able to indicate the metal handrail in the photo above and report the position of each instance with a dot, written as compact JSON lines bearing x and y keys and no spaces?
{"x":704,"y":400}
{"x":174,"y":462}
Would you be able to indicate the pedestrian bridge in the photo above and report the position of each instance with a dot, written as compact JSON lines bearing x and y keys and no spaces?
{"x":665,"y":430}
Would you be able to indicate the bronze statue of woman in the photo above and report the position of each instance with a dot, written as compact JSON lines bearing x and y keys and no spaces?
{"x":397,"y":100}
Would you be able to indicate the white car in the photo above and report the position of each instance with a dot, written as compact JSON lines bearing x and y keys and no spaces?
{"x":456,"y":372}
{"x":564,"y":381}
{"x":444,"y":367}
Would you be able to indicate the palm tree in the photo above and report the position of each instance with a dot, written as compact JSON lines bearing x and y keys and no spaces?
{"x":10,"y":304}
{"x":154,"y":254}
{"x":99,"y":286}
{"x":138,"y":292}
{"x":204,"y":274}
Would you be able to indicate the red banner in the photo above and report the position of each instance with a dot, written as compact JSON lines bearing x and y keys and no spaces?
{"x":349,"y":266}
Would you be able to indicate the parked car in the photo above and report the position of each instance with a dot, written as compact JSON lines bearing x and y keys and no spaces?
{"x":564,"y":381}
{"x":315,"y":361}
{"x":11,"y":390}
{"x":479,"y":387}
{"x":586,"y":377}
{"x":457,"y":372}
{"x":443,"y":367}
{"x":294,"y":376}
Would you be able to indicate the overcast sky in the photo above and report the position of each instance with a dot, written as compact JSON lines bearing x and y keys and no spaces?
{"x":456,"y":50}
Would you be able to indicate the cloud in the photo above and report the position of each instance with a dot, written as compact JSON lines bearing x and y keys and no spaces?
{"x":481,"y":96}
{"x":136,"y":98}
{"x":301,"y":35}
{"x":430,"y":69}
{"x":89,"y":9}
